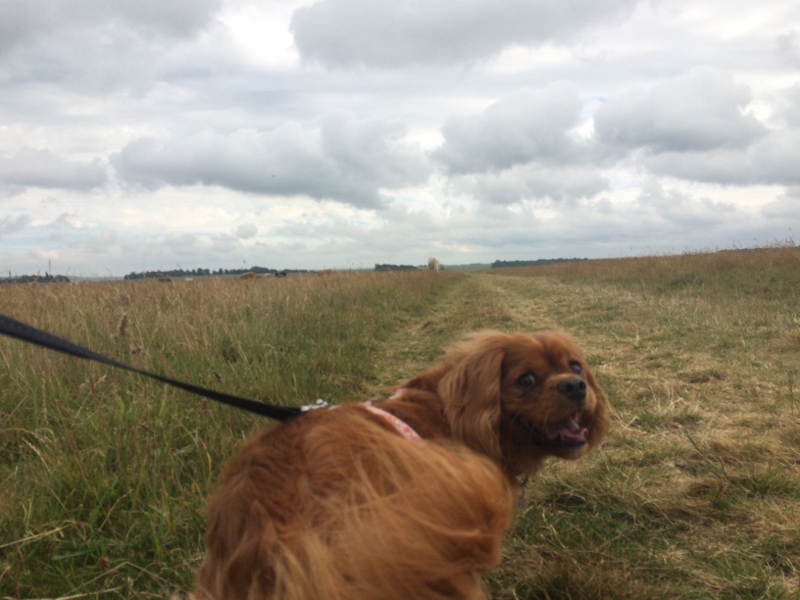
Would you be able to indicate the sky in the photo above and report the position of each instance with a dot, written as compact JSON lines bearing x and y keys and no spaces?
{"x":339,"y":134}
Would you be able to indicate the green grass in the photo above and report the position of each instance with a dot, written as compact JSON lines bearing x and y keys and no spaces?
{"x":103,"y":474}
{"x":694,"y":494}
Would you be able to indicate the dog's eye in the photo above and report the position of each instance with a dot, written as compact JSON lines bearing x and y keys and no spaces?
{"x":527,"y":381}
{"x":576,"y":367}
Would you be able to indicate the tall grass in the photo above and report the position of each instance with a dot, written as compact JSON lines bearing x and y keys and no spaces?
{"x":102,"y":473}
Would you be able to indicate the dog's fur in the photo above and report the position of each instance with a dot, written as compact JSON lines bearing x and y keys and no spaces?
{"x":336,"y":504}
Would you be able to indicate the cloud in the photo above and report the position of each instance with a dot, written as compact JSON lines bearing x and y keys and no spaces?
{"x":387,"y":33}
{"x":346,"y":159}
{"x":771,"y":160}
{"x":531,"y":125}
{"x":533,"y":183}
{"x":180,"y":240}
{"x":788,"y":49}
{"x":788,"y":108}
{"x":94,"y":46}
{"x":41,"y":168}
{"x":10,"y":225}
{"x":681,"y":210}
{"x":101,"y":240}
{"x":246,"y":231}
{"x":701,"y":110}
{"x":24,"y":23}
{"x":786,"y":206}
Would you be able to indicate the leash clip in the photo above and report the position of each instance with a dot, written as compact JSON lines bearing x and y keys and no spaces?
{"x":318,"y":403}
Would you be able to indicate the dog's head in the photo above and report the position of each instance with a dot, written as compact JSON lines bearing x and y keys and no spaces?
{"x":521,"y":398}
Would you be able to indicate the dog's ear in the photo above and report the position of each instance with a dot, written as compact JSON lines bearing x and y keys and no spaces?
{"x":601,"y":415}
{"x":470,"y":390}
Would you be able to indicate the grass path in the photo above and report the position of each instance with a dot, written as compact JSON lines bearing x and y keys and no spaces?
{"x":471,"y":303}
{"x":475,"y":301}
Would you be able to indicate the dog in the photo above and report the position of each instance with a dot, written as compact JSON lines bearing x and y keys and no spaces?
{"x":407,"y":497}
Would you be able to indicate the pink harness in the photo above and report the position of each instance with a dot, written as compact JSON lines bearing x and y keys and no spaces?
{"x":401,"y":426}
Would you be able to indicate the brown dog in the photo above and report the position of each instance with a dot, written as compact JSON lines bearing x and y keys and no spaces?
{"x":407,"y":497}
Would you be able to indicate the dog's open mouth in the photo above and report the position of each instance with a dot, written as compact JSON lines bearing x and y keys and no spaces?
{"x":566,"y":433}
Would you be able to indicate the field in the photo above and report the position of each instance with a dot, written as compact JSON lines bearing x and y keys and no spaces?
{"x":695,"y":493}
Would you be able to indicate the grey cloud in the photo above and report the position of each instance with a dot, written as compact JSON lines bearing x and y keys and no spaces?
{"x":771,"y":160}
{"x":96,"y":46}
{"x":246,"y":231}
{"x":388,"y":33}
{"x":788,"y":49}
{"x":534,"y":183}
{"x":61,"y":228}
{"x":347,"y":160}
{"x":223,"y":244}
{"x":789,"y":106}
{"x":784,"y":207}
{"x":718,"y":166}
{"x":701,"y":110}
{"x":180,"y":240}
{"x":42,"y":168}
{"x":372,"y":150}
{"x":8,"y":190}
{"x":26,"y":22}
{"x":101,"y":240}
{"x":64,"y":220}
{"x":13,"y":224}
{"x":682,"y":210}
{"x":520,"y":128}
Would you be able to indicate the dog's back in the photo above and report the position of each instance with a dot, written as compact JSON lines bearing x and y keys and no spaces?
{"x":335,"y":504}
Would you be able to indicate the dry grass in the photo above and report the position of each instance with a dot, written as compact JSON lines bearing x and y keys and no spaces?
{"x":694,"y":494}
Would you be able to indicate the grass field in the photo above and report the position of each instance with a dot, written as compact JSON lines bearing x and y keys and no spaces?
{"x":695,"y":493}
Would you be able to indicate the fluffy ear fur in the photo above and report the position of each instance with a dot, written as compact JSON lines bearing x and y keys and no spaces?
{"x":601,"y":416}
{"x":470,"y":391}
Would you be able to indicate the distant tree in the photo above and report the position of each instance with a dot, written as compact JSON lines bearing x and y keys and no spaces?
{"x":499,"y":264}
{"x":395,"y":268}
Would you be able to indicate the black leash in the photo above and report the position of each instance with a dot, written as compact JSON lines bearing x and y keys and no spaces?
{"x":26,"y":333}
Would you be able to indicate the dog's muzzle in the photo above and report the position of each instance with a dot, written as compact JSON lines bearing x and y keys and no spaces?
{"x":566,"y":433}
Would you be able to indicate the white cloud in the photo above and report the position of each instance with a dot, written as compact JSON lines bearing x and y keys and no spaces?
{"x":246,"y":231}
{"x":533,"y":183}
{"x":786,"y":207}
{"x":180,"y":240}
{"x":526,"y":126}
{"x":699,"y":111}
{"x":42,"y":168}
{"x":788,"y":47}
{"x":93,"y":45}
{"x":681,"y":210}
{"x":788,"y":108}
{"x":13,"y":224}
{"x":346,"y":159}
{"x":771,"y":160}
{"x":386,"y":33}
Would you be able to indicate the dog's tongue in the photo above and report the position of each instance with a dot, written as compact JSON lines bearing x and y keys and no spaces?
{"x":567,"y":428}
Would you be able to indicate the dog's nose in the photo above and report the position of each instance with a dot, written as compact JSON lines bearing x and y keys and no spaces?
{"x":573,"y":388}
